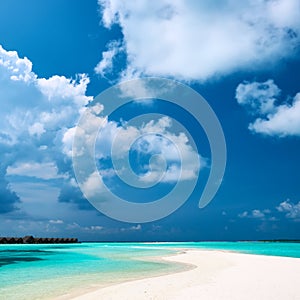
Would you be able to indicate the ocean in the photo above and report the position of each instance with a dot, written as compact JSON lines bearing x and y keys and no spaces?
{"x":47,"y":271}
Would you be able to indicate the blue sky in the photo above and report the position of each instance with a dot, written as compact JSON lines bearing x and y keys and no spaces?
{"x":242,"y":57}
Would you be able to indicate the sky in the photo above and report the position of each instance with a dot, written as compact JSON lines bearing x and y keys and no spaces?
{"x":243,"y":57}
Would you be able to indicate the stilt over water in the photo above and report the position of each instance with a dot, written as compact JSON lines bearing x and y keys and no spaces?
{"x":29,"y":239}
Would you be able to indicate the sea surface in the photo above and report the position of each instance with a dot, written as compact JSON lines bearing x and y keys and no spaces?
{"x":48,"y":271}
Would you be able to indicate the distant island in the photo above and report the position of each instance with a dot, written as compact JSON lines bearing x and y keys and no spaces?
{"x":29,"y":239}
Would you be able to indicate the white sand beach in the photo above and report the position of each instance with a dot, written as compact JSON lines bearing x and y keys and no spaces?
{"x":216,"y":275}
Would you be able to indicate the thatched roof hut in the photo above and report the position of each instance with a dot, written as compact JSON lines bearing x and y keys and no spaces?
{"x":28,"y":239}
{"x":45,"y":240}
{"x":19,"y":240}
{"x":38,"y":240}
{"x":3,"y":240}
{"x":11,"y":240}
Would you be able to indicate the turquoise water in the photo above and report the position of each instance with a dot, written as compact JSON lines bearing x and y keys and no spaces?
{"x":46,"y":271}
{"x":261,"y":248}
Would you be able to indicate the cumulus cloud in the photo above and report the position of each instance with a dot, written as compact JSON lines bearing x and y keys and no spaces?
{"x":106,"y":64}
{"x":93,"y":228}
{"x":36,"y":129}
{"x":56,"y":221}
{"x":180,"y":157}
{"x":19,"y":69}
{"x":137,"y":227}
{"x":60,"y":89}
{"x":93,"y":185}
{"x":8,"y":198}
{"x":36,"y":106}
{"x":262,"y":100}
{"x":255,"y":214}
{"x":37,"y":134}
{"x":46,"y":170}
{"x":35,"y":113}
{"x":149,"y":140}
{"x":258,"y":96}
{"x":42,"y":103}
{"x":292,"y":210}
{"x":197,"y":40}
{"x":284,"y":122}
{"x":70,"y":193}
{"x":133,"y":153}
{"x":154,"y":138}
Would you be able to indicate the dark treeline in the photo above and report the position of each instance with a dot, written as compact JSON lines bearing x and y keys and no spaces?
{"x":29,"y":239}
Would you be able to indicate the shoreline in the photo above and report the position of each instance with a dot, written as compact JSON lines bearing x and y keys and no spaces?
{"x":211,"y":274}
{"x":178,"y":266}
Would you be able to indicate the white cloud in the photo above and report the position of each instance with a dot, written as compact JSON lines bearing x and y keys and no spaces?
{"x":36,"y":129}
{"x":279,"y":120}
{"x":93,"y":228}
{"x":87,"y":133}
{"x":243,"y":214}
{"x":35,"y":113}
{"x":46,"y":170}
{"x":38,"y":117}
{"x":153,"y":138}
{"x":61,"y":89}
{"x":284,"y":122}
{"x":32,"y":107}
{"x":137,"y":227}
{"x":291,"y":209}
{"x":18,"y":69}
{"x":196,"y":40}
{"x":258,"y":96}
{"x":106,"y":64}
{"x":73,"y":226}
{"x":255,"y":214}
{"x":91,"y":185}
{"x":67,"y":140}
{"x":138,"y":89}
{"x":180,"y":157}
{"x":56,"y":222}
